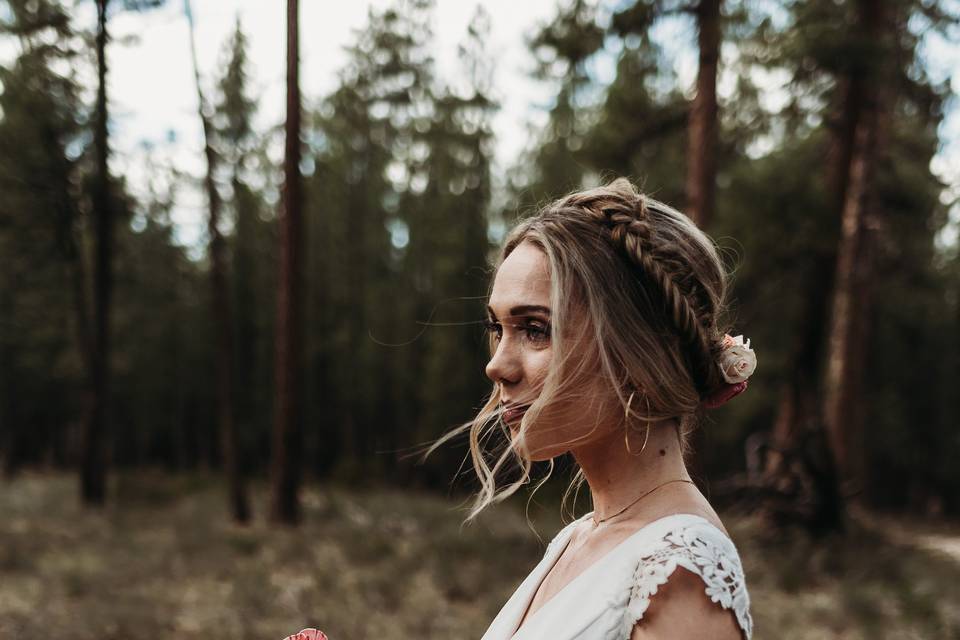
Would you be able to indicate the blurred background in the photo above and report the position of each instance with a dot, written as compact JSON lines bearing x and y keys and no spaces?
{"x":244,"y":250}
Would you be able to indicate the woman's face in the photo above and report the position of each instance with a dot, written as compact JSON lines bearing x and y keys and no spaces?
{"x":519,"y":317}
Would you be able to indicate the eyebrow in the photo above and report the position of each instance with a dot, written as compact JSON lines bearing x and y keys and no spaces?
{"x":523,"y":309}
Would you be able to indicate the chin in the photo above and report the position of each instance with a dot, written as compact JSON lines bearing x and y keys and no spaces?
{"x":545,"y":439}
{"x":540,"y":451}
{"x":545,"y":455}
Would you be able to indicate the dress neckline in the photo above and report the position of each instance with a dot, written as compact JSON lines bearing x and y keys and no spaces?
{"x":562,"y":546}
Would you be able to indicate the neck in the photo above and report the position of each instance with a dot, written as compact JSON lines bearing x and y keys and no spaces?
{"x":617,"y":478}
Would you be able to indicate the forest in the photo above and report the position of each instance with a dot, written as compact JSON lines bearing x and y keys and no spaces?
{"x":289,"y":368}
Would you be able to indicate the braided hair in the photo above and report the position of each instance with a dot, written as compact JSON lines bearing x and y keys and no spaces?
{"x":669,"y":278}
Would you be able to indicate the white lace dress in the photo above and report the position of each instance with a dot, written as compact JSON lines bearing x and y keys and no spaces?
{"x":611,"y":595}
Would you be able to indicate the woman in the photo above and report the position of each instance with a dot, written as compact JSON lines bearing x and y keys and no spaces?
{"x":603,"y":320}
{"x":604,"y":332}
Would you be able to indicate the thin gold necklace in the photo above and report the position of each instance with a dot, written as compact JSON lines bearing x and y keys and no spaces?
{"x":597,"y":523}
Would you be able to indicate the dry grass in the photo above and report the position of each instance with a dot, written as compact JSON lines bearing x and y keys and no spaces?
{"x":163,"y":562}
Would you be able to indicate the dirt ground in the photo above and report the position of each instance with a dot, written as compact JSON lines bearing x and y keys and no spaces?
{"x":162,"y":561}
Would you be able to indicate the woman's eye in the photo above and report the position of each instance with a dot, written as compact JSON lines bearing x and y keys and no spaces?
{"x":537,"y":332}
{"x":532,"y":331}
{"x":493,"y":328}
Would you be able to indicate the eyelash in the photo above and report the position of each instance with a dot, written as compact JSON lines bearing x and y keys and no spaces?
{"x":534,"y":332}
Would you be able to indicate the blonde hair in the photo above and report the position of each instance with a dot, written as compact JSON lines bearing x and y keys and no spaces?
{"x":649,"y":288}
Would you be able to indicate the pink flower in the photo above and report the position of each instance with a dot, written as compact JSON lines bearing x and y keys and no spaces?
{"x":308,"y":634}
{"x":737,"y":361}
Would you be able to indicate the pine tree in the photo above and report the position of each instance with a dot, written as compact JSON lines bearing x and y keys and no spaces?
{"x":285,"y":466}
{"x":254,"y":247}
{"x":832,"y":63}
{"x":449,"y":247}
{"x":40,"y":223}
{"x":96,"y":425}
{"x":562,"y":48}
{"x":703,"y":120}
{"x":368,"y":148}
{"x":230,"y":442}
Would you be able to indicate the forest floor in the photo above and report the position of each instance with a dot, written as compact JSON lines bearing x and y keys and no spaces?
{"x":161,"y":561}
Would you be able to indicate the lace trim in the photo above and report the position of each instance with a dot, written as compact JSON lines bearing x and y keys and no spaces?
{"x":700,"y":549}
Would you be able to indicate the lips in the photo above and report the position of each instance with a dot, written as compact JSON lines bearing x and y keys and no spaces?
{"x":513,"y":413}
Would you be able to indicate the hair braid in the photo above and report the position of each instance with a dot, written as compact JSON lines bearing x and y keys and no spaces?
{"x":629,"y":227}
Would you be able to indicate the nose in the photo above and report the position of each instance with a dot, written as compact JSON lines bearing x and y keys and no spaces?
{"x":504,"y":367}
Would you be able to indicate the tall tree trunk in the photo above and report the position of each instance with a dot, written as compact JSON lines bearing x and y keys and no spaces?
{"x":799,"y":453}
{"x":77,"y":273}
{"x":702,"y":124}
{"x":93,"y":465}
{"x":248,"y":360}
{"x":822,"y":431}
{"x":852,"y":296}
{"x":8,"y":409}
{"x":799,"y":467}
{"x":285,"y":471}
{"x":702,"y":163}
{"x":357,"y":423}
{"x":229,"y":442}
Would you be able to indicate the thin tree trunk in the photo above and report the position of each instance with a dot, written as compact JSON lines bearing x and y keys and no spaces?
{"x":229,"y":441}
{"x":798,"y":427}
{"x":702,"y":124}
{"x":797,"y":406}
{"x":93,"y":465}
{"x":8,"y":408}
{"x":852,"y":297}
{"x":358,"y":418}
{"x":844,"y":374}
{"x":702,"y":164}
{"x":77,"y":272}
{"x":285,"y":507}
{"x":78,"y":285}
{"x":248,"y":360}
{"x":806,"y":432}
{"x":799,"y":467}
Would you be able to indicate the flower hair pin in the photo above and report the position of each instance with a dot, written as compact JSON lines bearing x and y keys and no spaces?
{"x":737,"y":362}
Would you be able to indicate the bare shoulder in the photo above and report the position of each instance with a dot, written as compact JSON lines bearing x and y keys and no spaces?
{"x":685,"y":499}
{"x":681,"y":610}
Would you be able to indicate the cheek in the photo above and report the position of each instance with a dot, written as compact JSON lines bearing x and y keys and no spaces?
{"x":537,"y":366}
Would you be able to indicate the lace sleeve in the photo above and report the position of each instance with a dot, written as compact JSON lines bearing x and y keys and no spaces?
{"x":703,"y":550}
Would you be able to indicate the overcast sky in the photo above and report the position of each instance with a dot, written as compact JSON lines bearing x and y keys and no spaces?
{"x":153,"y":98}
{"x":151,"y":83}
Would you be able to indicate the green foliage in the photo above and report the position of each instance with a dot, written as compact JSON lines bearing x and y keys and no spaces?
{"x":39,"y":216}
{"x":774,"y":227}
{"x":398,"y":208}
{"x":639,"y":132}
{"x":355,"y":297}
{"x":447,"y":255}
{"x":398,"y":191}
{"x":245,"y":180}
{"x":912,"y":437}
{"x":563,"y":48}
{"x":163,"y":360}
{"x":235,"y":108}
{"x":791,"y":197}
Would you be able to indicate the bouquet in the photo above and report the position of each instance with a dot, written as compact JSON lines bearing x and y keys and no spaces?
{"x":308,"y":634}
